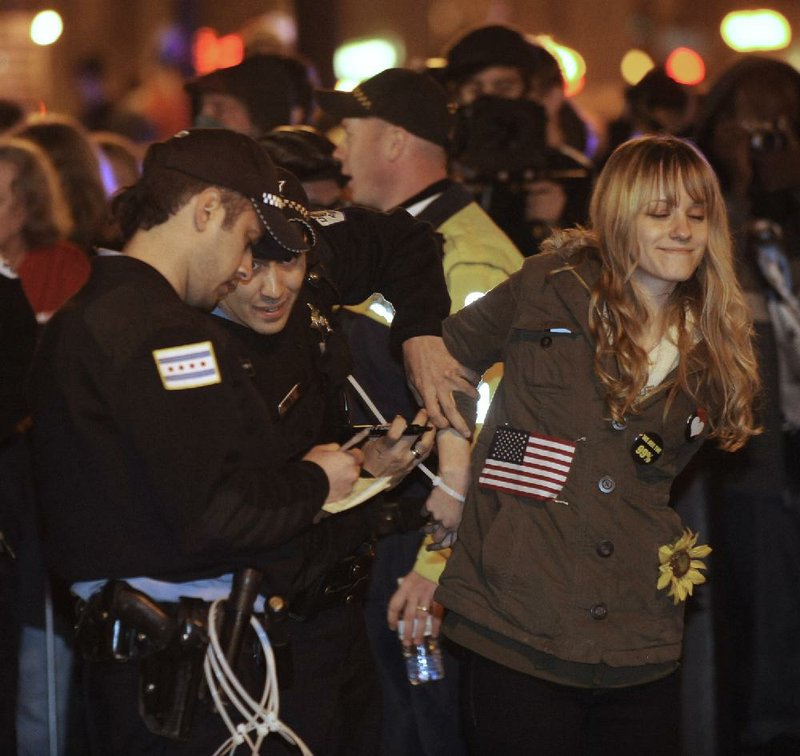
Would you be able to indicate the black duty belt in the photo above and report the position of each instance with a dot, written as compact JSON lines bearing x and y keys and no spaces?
{"x":169,"y":641}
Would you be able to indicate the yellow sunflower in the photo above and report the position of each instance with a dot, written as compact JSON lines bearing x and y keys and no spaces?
{"x":680,"y":566}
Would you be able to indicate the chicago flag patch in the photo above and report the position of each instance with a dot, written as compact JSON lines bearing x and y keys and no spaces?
{"x":187,"y":366}
{"x":525,"y":464}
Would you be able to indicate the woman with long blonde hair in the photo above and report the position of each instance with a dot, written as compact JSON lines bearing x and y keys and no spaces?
{"x":625,"y":345}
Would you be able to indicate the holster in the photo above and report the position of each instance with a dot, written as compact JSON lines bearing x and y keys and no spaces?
{"x":170,"y":678}
{"x":169,"y":642}
{"x":120,"y":623}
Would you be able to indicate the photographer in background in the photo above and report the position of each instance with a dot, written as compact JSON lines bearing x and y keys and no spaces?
{"x":252,"y":97}
{"x":750,"y":130}
{"x":657,"y":104}
{"x":509,"y":146}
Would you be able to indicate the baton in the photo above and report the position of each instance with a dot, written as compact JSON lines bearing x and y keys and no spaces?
{"x":238,"y":610}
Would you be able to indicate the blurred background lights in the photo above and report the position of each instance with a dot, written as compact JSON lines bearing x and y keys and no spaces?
{"x":573,"y":66}
{"x":360,"y":59}
{"x":635,"y":65}
{"x":210,"y":52}
{"x":761,"y":29}
{"x":685,"y":66}
{"x":46,"y":27}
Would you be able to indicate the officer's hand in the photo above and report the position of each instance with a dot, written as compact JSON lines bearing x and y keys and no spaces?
{"x":395,"y":455}
{"x":341,"y":467}
{"x":434,"y":375}
{"x":413,"y":600}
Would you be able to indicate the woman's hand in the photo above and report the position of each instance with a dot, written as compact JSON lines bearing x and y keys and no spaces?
{"x":395,"y":455}
{"x":454,"y":452}
{"x":413,"y":600}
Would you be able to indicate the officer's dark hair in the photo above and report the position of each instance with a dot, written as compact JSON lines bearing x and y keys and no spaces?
{"x":159,"y":194}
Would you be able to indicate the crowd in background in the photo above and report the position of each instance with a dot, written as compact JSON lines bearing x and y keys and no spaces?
{"x":530,"y":160}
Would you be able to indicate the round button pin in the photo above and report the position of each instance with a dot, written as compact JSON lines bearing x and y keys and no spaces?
{"x":647,"y":448}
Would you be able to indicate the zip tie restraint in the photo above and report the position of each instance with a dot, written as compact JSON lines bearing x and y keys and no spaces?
{"x":435,"y":479}
{"x":260,"y":717}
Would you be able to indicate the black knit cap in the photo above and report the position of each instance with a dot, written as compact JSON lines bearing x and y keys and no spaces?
{"x":225,"y":158}
{"x":493,"y":45}
{"x":405,"y":98}
{"x":262,"y":82}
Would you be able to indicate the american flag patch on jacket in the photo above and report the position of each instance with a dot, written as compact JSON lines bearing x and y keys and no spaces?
{"x":187,"y":366}
{"x":525,"y":464}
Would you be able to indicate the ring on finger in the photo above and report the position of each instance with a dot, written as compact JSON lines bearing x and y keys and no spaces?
{"x":416,"y":453}
{"x":423,"y":609}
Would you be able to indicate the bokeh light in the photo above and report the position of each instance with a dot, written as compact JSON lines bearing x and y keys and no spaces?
{"x":360,"y":59}
{"x":635,"y":65}
{"x":210,"y":52}
{"x":46,"y":27}
{"x":685,"y":66}
{"x":573,"y":66}
{"x":763,"y":29}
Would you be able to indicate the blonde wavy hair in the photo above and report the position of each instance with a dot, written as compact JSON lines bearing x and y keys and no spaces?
{"x":718,"y":367}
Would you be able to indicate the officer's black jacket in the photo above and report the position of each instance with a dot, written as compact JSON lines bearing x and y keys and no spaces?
{"x":364,"y":251}
{"x":137,"y":480}
{"x":303,"y":384}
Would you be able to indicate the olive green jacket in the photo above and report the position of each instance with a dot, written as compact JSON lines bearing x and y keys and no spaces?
{"x":534,"y":582}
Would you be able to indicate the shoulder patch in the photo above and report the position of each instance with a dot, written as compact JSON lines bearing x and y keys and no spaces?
{"x":187,"y":366}
{"x":328,"y":217}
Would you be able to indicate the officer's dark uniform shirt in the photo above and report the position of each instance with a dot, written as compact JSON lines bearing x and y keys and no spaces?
{"x":181,"y":483}
{"x":142,"y":477}
{"x":301,"y":372}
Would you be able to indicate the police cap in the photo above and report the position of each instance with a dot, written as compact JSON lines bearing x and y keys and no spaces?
{"x":234,"y":161}
{"x":405,"y":98}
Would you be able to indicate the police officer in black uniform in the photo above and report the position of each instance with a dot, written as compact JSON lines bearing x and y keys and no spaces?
{"x":283,"y":321}
{"x":152,"y":444}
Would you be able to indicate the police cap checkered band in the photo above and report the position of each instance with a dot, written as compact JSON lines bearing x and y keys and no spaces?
{"x":234,"y":161}
{"x":293,"y":202}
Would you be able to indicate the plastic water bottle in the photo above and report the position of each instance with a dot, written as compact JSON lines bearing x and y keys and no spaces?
{"x":423,"y":661}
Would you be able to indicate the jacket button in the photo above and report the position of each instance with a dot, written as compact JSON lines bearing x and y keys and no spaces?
{"x":599,"y":611}
{"x":619,"y":425}
{"x":546,"y":341}
{"x":605,"y":549}
{"x":606,"y":484}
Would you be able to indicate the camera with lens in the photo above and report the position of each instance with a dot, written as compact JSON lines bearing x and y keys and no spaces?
{"x":500,"y":152}
{"x":497,"y":139}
